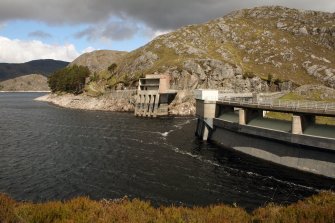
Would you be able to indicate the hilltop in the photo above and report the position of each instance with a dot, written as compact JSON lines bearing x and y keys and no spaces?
{"x":44,"y":67}
{"x":98,"y":60}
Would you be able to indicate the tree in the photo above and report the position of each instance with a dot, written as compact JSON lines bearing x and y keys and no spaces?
{"x":69,"y":79}
{"x":112,"y":68}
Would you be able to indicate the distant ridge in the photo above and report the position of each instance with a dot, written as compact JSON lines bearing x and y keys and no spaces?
{"x":44,"y":67}
{"x":32,"y":82}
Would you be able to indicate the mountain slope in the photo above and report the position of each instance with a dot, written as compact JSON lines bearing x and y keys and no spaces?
{"x":45,"y":67}
{"x":259,"y":49}
{"x":98,"y":60}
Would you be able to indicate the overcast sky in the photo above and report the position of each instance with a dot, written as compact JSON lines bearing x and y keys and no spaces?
{"x":63,"y":29}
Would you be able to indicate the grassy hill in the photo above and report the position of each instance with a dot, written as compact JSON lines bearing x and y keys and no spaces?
{"x":98,"y":60}
{"x":32,"y":82}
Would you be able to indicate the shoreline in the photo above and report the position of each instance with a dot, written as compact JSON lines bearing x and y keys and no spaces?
{"x":108,"y":103}
{"x":85,"y":102}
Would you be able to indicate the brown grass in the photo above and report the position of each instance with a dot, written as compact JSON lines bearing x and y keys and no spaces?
{"x":318,"y":208}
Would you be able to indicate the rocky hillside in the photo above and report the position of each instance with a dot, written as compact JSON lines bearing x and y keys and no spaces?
{"x":98,"y":60}
{"x":32,"y":82}
{"x":259,"y":49}
{"x":45,"y":67}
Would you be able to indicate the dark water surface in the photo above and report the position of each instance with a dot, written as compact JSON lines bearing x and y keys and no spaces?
{"x":48,"y":153}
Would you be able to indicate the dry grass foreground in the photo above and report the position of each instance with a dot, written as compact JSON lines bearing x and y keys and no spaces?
{"x":318,"y":208}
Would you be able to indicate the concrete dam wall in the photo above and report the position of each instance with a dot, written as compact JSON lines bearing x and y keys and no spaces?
{"x":300,"y":143}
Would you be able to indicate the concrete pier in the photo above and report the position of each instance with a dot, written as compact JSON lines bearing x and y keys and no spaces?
{"x":207,"y":110}
{"x":245,"y":115}
{"x":147,"y":103}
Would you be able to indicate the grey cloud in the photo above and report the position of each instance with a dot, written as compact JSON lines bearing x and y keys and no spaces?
{"x":89,"y":33}
{"x":40,"y":34}
{"x":120,"y":31}
{"x":114,"y":30}
{"x":156,"y":14}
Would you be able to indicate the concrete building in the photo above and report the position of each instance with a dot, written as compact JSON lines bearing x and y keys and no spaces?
{"x":154,"y":95}
{"x":155,"y":82}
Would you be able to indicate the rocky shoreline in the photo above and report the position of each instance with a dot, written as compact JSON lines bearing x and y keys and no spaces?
{"x":183,"y":105}
{"x":85,"y":102}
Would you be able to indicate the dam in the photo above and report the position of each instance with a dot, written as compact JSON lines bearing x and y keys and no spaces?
{"x":239,"y":123}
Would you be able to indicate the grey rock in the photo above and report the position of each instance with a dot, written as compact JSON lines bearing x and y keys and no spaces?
{"x":281,"y":25}
{"x":287,"y":55}
{"x":303,"y":31}
{"x":321,"y":72}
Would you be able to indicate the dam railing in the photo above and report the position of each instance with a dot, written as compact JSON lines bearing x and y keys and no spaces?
{"x":328,"y":107}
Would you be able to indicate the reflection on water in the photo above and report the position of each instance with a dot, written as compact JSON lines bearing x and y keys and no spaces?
{"x":47,"y":152}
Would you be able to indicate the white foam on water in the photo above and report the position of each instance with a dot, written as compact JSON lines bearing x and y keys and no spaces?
{"x":165,"y":134}
{"x":198,"y":157}
{"x":179,"y":126}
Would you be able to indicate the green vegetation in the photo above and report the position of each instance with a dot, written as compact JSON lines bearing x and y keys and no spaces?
{"x":1,"y":87}
{"x":288,"y":116}
{"x":325,"y":120}
{"x":248,"y":74}
{"x":279,"y":115}
{"x":313,"y":95}
{"x":69,"y":79}
{"x":318,"y":208}
{"x":112,"y":68}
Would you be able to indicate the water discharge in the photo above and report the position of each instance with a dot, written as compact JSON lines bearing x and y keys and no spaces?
{"x":48,"y":153}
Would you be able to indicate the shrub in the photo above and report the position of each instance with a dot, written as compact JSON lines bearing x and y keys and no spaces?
{"x":318,"y":208}
{"x":248,"y":74}
{"x":7,"y":209}
{"x":69,"y":79}
{"x":112,"y":68}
